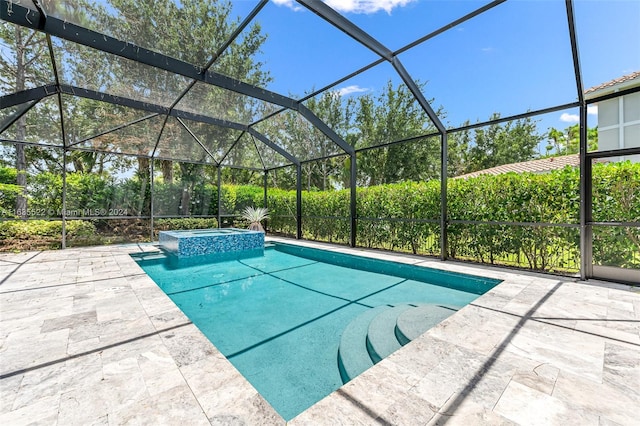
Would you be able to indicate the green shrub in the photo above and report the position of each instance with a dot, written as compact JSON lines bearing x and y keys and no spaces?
{"x":326,"y":215}
{"x":282,"y":211}
{"x":8,"y":195}
{"x":8,"y":175}
{"x":616,"y":197}
{"x":185,"y":223}
{"x":26,"y":229}
{"x":235,"y":198}
{"x":80,"y":229}
{"x":247,"y":196}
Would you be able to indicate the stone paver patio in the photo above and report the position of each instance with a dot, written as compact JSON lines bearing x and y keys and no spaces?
{"x":87,"y":338}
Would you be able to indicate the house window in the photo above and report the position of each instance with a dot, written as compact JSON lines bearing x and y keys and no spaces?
{"x":608,"y":114}
{"x":619,"y":122}
{"x":631,"y":106}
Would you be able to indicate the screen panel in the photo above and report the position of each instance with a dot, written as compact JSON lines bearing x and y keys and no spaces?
{"x":396,"y":24}
{"x":188,"y":31}
{"x":296,"y":135}
{"x":39,"y":125}
{"x":281,"y":201}
{"x":372,"y":108}
{"x":31,"y":178}
{"x":301,"y":52}
{"x":609,"y":39}
{"x":87,"y":68}
{"x":139,"y":138}
{"x":217,"y":140}
{"x":481,"y":68}
{"x":84,"y":118}
{"x":244,"y":154}
{"x":183,"y":189}
{"x":176,"y":143}
{"x":216,"y":102}
{"x":33,"y":68}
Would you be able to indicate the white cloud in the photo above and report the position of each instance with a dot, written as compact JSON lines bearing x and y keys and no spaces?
{"x":575,"y":118}
{"x":353,"y":6}
{"x":488,"y":49}
{"x":291,"y":4}
{"x":569,"y":118}
{"x":351,"y":89}
{"x":366,"y":6}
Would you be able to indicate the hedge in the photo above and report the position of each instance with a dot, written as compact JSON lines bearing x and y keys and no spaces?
{"x":26,"y":229}
{"x":19,"y":235}
{"x":183,"y":223}
{"x":402,"y":216}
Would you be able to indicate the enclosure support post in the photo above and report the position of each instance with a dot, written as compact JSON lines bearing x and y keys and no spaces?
{"x":298,"y":201}
{"x":151,"y":200}
{"x":265,"y":181}
{"x":353,"y":205}
{"x":219,"y":197}
{"x":64,"y":198}
{"x":444,"y":220}
{"x":586,"y":230}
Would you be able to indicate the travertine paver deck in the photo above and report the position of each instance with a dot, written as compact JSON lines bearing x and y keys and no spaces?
{"x":87,"y":338}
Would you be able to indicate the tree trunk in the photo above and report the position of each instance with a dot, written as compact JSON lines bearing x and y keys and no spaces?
{"x":77,"y":165}
{"x":185,"y":201}
{"x":346,"y":173}
{"x":167,"y":171}
{"x":324,"y":175}
{"x":187,"y":186}
{"x":144,"y":174}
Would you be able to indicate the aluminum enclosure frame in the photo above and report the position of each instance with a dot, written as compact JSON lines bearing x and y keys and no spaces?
{"x":51,"y":26}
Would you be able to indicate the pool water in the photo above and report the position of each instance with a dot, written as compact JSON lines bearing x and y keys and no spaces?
{"x":279,"y":317}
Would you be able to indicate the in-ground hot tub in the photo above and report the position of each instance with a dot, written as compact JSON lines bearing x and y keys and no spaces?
{"x":197,"y":242}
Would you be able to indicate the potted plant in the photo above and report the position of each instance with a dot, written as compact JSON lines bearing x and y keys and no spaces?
{"x":255,"y":215}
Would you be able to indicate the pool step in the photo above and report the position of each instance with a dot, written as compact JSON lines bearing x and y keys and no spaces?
{"x":380,"y":331}
{"x":353,"y":357}
{"x":414,"y":322}
{"x":381,"y":338}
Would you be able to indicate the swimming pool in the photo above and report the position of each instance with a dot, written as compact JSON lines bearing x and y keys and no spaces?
{"x":283,"y":318}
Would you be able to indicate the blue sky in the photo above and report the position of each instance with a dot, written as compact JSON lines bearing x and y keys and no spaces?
{"x":515,"y":57}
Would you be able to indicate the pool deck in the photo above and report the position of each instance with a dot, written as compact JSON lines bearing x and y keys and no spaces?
{"x":87,"y":338}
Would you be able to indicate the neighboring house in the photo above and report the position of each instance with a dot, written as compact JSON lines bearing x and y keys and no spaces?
{"x":618,"y":118}
{"x":542,"y":165}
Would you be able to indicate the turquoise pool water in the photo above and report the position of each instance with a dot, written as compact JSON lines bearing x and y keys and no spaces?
{"x":278,"y":316}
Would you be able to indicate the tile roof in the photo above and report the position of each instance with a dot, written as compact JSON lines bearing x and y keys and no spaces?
{"x":541,"y":165}
{"x":614,"y":82}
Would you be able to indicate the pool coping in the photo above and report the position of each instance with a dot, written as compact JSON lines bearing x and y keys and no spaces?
{"x":87,"y":337}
